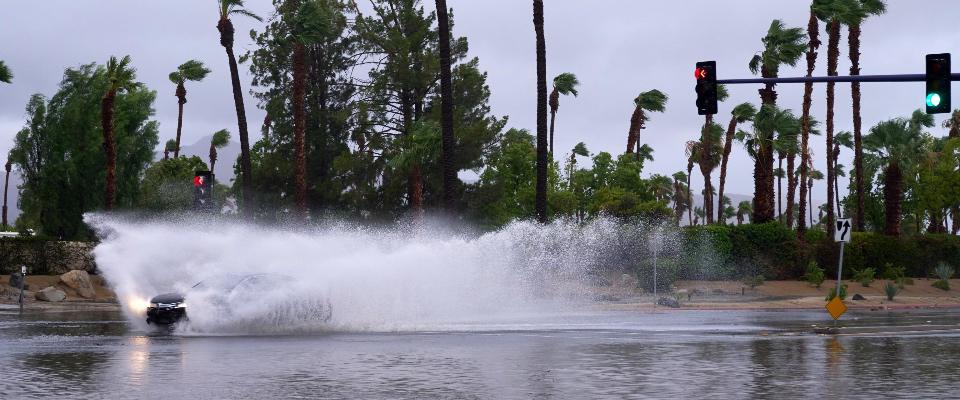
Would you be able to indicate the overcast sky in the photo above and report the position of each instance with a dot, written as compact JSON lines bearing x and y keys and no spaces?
{"x":617,"y":49}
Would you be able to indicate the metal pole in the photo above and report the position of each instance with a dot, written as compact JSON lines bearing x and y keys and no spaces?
{"x":23,"y":278}
{"x":655,"y":275}
{"x":851,"y":78}
{"x":840,"y":269}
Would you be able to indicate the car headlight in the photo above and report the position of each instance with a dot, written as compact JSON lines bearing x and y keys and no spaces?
{"x":182,"y":305}
{"x":154,"y":305}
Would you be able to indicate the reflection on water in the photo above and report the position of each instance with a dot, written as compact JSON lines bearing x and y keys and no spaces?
{"x":616,"y":355}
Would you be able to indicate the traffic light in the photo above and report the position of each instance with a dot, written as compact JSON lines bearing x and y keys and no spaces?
{"x":203,"y":190}
{"x":938,"y":83}
{"x":706,"y":74}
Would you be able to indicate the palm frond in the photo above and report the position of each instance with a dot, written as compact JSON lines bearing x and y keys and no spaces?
{"x":220,"y":138}
{"x":566,"y":83}
{"x":6,"y":76}
{"x":652,"y":100}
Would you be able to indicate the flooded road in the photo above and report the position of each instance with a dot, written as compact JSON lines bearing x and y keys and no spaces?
{"x":590,"y":354}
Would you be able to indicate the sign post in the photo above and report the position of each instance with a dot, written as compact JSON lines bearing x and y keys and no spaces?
{"x":841,"y":234}
{"x":23,"y":278}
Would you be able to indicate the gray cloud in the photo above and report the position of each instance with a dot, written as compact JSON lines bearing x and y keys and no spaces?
{"x":617,"y":48}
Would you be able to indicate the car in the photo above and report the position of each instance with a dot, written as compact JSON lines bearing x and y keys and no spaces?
{"x":240,"y":297}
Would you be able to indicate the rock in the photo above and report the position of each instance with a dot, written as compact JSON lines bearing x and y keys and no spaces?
{"x":858,"y":297}
{"x":607,"y":297}
{"x":51,"y":294}
{"x":80,"y":281}
{"x":668,"y":302}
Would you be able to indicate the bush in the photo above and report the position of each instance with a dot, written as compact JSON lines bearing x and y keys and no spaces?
{"x":864,"y":276}
{"x":814,"y":274}
{"x":942,"y":285}
{"x":891,"y":290}
{"x":893,"y":273}
{"x":833,"y":293}
{"x":753,"y":281}
{"x":944,"y":271}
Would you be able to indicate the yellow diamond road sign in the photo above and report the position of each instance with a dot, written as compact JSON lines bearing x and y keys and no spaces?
{"x":836,"y":308}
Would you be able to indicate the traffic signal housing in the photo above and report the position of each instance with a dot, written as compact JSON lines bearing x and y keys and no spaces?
{"x":706,"y":74}
{"x":938,"y":83}
{"x":203,"y":190}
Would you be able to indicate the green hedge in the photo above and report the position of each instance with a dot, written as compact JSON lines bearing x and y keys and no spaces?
{"x":43,"y":256}
{"x":772,"y":250}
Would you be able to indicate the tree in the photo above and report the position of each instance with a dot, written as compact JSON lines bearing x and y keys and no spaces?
{"x":649,"y":101}
{"x":169,"y":147}
{"x":743,"y":112}
{"x":191,"y":70}
{"x":759,"y":143}
{"x":954,"y":125}
{"x":419,"y":147}
{"x":6,"y":187}
{"x":121,"y":77}
{"x":168,"y":184}
{"x":707,"y":152}
{"x":853,"y":18}
{"x":830,"y":11}
{"x":448,"y":139}
{"x":744,"y":208}
{"x":565,"y":84}
{"x":814,"y":175}
{"x":727,"y":207}
{"x":681,"y":201}
{"x":895,"y":146}
{"x":541,"y":200}
{"x":60,"y":151}
{"x":5,"y":75}
{"x":786,"y":145}
{"x":845,"y":139}
{"x":579,"y":150}
{"x":661,"y":186}
{"x":219,"y":140}
{"x":813,"y":43}
{"x":228,"y":8}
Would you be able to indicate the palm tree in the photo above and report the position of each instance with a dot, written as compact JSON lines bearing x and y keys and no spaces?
{"x":541,"y":199}
{"x":830,"y":11}
{"x":838,"y":171}
{"x":448,"y":140}
{"x":727,"y":208}
{"x":168,"y":148}
{"x":698,"y":215}
{"x":845,"y":139}
{"x":565,"y":84}
{"x":649,"y":101}
{"x":680,"y":193}
{"x":579,"y":150}
{"x":192,"y":70}
{"x":743,"y":208}
{"x":121,"y":77}
{"x":769,"y":121}
{"x":707,"y":152}
{"x":225,"y":27}
{"x":813,"y":43}
{"x":644,"y":153}
{"x":220,"y":140}
{"x":855,"y":16}
{"x":418,"y":147}
{"x":781,"y":45}
{"x":894,"y":146}
{"x":814,"y":175}
{"x":741,"y":113}
{"x":779,"y":173}
{"x":690,"y":161}
{"x":6,"y":186}
{"x":5,"y":75}
{"x":661,"y":186}
{"x":786,"y":147}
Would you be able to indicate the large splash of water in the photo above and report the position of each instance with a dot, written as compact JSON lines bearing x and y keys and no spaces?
{"x":342,"y":276}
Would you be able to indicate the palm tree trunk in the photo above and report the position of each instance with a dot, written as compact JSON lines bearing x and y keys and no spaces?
{"x":106,"y":116}
{"x":6,"y":187}
{"x":225,"y":26}
{"x":791,"y":188}
{"x":813,"y":32}
{"x":448,"y":140}
{"x":810,"y":193}
{"x":416,"y":191}
{"x":213,"y":158}
{"x":689,"y":194}
{"x":300,"y":127}
{"x":892,"y":198}
{"x":763,"y":165}
{"x":833,"y":53}
{"x":854,"y":41}
{"x":633,"y":135}
{"x":181,"y":100}
{"x":780,"y":189}
{"x":554,"y":106}
{"x":727,"y":147}
{"x":541,"y":199}
{"x":836,"y":192}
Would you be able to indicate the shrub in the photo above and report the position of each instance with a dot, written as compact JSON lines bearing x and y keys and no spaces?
{"x":942,"y":285}
{"x":753,"y":281}
{"x":891,"y":290}
{"x":833,"y":293}
{"x":943,"y":271}
{"x":893,"y":273}
{"x":864,"y":276}
{"x":814,"y":274}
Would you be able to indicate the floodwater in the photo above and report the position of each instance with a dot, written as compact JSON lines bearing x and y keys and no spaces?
{"x":587,"y":354}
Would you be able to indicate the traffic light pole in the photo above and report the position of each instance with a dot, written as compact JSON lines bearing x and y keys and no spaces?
{"x":851,"y":78}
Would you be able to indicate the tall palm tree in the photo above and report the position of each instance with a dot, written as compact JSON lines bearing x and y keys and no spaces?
{"x":787,"y":147}
{"x":661,"y":186}
{"x":5,"y":75}
{"x":228,"y":8}
{"x":726,"y":205}
{"x":680,"y":193}
{"x":839,"y":170}
{"x":861,"y":10}
{"x":781,"y":45}
{"x":744,"y":208}
{"x":707,"y":152}
{"x":768,"y":122}
{"x":813,"y":43}
{"x":121,"y":77}
{"x":844,"y":139}
{"x":649,"y":101}
{"x":168,"y":148}
{"x":220,"y":140}
{"x":448,"y":140}
{"x":580,"y":149}
{"x":6,"y":186}
{"x":831,"y":12}
{"x":191,"y":70}
{"x":779,"y":174}
{"x":741,"y":113}
{"x":894,"y":146}
{"x":690,"y":161}
{"x":697,"y":215}
{"x":541,"y":198}
{"x":814,"y":175}
{"x":565,"y":84}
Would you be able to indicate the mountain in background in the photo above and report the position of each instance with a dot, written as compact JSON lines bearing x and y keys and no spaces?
{"x":226,"y":157}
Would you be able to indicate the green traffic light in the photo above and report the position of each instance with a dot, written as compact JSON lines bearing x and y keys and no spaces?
{"x":933,"y":100}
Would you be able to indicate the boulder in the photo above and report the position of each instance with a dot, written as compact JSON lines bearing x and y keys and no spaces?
{"x":858,"y":297}
{"x":80,"y":281}
{"x":668,"y":302}
{"x":51,"y":294}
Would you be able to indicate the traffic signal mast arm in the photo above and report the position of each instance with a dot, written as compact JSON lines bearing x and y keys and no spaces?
{"x":852,"y":78}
